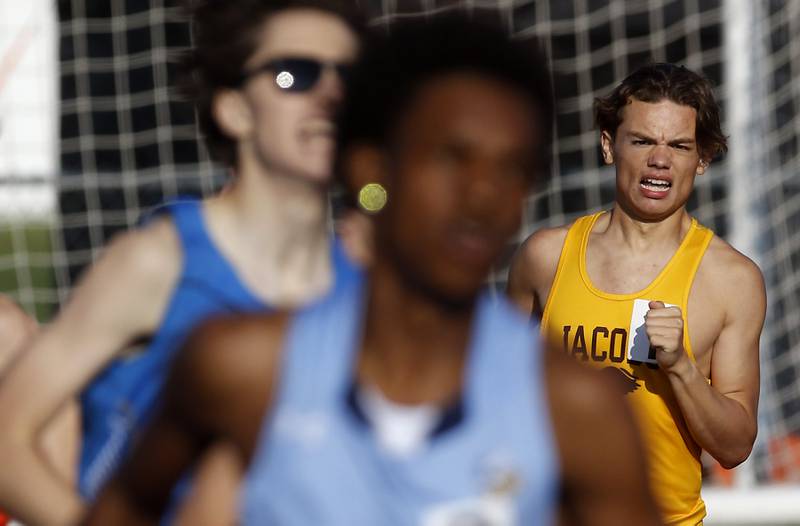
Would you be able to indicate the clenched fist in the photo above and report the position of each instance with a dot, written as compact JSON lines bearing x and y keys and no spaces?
{"x":664,"y":327}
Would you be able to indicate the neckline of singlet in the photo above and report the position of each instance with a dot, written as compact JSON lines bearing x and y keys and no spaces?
{"x":198,"y":209}
{"x":451,"y":417}
{"x":584,"y":243}
{"x":444,"y":418}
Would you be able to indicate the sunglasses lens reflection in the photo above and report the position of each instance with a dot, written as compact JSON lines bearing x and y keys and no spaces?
{"x":297,"y":74}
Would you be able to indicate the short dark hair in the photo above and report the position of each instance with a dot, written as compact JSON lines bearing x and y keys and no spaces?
{"x":399,"y":59}
{"x":659,"y":81}
{"x":225,"y":35}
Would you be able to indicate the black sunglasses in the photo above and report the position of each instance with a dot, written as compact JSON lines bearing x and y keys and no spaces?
{"x":297,"y":75}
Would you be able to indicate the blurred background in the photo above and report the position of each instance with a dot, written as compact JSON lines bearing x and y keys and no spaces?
{"x":93,"y":134}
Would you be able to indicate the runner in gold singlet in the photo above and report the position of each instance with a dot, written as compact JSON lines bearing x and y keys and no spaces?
{"x":649,"y":296}
{"x":596,"y":326}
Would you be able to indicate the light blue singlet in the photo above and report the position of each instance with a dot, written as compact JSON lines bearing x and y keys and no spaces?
{"x":319,"y":463}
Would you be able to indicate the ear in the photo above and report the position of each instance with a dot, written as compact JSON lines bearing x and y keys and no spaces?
{"x":232,"y":114}
{"x":701,"y":167}
{"x":607,"y":145}
{"x":363,"y":164}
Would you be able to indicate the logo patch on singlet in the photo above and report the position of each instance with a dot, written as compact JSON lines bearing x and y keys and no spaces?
{"x":486,"y":510}
{"x":627,"y":382}
{"x":494,"y":507}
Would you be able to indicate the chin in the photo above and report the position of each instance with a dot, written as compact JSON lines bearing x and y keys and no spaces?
{"x":309,"y":163}
{"x":649,"y":212}
{"x":456,"y":300}
{"x":458,"y":294}
{"x":452,"y":292}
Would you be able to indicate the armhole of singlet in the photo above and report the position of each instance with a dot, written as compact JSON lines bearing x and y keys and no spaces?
{"x":707,"y":236}
{"x":575,"y":230}
{"x":178,"y":213}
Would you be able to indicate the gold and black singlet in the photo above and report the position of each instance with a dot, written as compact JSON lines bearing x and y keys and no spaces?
{"x":606,"y":331}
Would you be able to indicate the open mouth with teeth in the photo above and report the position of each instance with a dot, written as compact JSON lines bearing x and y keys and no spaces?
{"x":655,"y":185}
{"x":319,"y":129}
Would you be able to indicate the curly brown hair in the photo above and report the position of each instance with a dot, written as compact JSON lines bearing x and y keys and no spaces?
{"x":225,"y":35}
{"x":656,"y":82}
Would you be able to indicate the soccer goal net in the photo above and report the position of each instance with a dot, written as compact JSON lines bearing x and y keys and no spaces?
{"x":119,"y":140}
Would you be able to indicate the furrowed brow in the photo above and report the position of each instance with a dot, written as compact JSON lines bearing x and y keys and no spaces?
{"x":640,"y":135}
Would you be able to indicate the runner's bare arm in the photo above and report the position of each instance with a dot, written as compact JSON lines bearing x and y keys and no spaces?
{"x":721,"y":416}
{"x":216,"y":394}
{"x":16,"y":328}
{"x":604,"y":482}
{"x":214,"y":496}
{"x":61,"y":438}
{"x":118,"y":300}
{"x":533,"y":269}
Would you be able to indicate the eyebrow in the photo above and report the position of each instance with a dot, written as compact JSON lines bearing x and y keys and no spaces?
{"x":679,"y":140}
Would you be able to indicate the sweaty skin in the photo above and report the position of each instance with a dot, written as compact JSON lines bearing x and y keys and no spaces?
{"x":656,"y":157}
{"x":449,"y":155}
{"x":270,"y":224}
{"x":60,"y":439}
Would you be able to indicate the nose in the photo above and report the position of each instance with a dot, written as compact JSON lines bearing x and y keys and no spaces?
{"x":660,"y":156}
{"x":330,"y":89}
{"x":481,"y":188}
